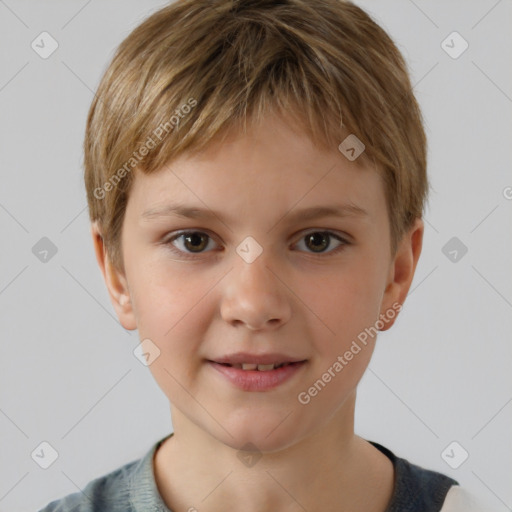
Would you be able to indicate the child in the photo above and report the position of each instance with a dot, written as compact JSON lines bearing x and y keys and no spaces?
{"x":225,"y":138}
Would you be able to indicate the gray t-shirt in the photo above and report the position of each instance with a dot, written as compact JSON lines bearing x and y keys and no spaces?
{"x":132,"y":488}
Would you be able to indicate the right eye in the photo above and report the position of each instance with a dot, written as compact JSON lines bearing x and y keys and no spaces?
{"x":191,"y":242}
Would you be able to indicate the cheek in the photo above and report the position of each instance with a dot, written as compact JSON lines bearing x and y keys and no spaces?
{"x":344,"y":302}
{"x":171,"y":309}
{"x":164,"y":294}
{"x":173,"y":313}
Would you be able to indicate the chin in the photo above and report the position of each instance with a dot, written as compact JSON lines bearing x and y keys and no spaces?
{"x":260,"y":438}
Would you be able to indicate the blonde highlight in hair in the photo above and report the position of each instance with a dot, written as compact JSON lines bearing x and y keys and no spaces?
{"x":217,"y":65}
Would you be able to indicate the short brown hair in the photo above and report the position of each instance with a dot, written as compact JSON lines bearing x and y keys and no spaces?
{"x":208,"y":66}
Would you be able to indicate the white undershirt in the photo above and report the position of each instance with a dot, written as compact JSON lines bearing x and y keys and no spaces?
{"x":460,"y":500}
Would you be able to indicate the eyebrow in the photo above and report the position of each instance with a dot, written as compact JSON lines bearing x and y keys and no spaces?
{"x":189,"y":212}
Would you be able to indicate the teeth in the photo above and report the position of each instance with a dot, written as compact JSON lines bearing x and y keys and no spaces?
{"x":249,"y":366}
{"x":265,"y":367}
{"x":254,"y":366}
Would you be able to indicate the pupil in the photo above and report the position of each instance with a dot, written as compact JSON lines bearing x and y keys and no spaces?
{"x":319,"y":237}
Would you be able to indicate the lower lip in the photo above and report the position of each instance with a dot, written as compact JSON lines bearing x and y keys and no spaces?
{"x":255,"y":380}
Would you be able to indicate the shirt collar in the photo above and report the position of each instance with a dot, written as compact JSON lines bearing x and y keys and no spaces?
{"x":144,"y":494}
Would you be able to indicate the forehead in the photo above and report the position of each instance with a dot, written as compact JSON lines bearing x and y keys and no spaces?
{"x":273,"y":167}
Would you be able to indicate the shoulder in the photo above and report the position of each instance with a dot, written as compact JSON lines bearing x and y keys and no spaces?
{"x":416,"y":489}
{"x":129,"y":488}
{"x":459,"y":499}
{"x":110,"y":492}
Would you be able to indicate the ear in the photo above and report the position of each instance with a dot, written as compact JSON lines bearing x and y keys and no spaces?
{"x":115,"y":280}
{"x":401,"y":272}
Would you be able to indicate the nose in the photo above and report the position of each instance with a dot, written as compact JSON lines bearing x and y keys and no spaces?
{"x":255,"y":297}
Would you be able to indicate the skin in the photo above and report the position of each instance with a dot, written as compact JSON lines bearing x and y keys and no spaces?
{"x":293,"y":298}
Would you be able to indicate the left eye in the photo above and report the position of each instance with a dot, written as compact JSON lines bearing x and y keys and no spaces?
{"x":195,"y":242}
{"x":319,"y":241}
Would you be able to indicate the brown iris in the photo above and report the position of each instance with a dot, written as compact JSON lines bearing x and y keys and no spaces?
{"x":317,"y":238}
{"x":195,"y":240}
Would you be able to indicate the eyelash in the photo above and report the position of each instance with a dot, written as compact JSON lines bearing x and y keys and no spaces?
{"x":189,"y":255}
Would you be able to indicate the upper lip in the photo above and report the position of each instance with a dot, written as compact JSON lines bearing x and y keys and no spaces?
{"x":246,"y":357}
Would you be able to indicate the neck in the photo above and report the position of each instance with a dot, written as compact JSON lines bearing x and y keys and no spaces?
{"x":330,"y":469}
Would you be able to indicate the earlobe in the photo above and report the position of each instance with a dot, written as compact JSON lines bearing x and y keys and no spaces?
{"x":401,"y":272}
{"x":115,"y":281}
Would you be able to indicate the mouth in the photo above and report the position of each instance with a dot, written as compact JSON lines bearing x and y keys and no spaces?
{"x":258,"y":377}
{"x":258,"y":367}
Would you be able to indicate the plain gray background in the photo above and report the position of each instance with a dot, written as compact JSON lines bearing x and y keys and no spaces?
{"x":68,"y":373}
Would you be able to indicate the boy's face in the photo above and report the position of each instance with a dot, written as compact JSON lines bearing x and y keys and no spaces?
{"x":308,"y":297}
